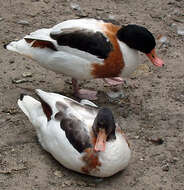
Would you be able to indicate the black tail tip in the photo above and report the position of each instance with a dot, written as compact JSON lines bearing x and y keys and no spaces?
{"x":5,"y":46}
{"x":22,"y":96}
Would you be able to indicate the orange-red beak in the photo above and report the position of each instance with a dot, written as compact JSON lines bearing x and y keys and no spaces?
{"x":100,"y":141}
{"x":154,"y":59}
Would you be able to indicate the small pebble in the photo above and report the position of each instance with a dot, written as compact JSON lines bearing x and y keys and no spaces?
{"x":67,"y":183}
{"x":81,"y":184}
{"x":10,"y":111}
{"x":1,"y":19}
{"x":67,"y":81}
{"x":180,"y":30}
{"x":75,"y":6}
{"x":163,"y":39}
{"x":18,"y":81}
{"x":58,"y":173}
{"x":27,"y":74}
{"x":173,"y":25}
{"x":157,"y":141}
{"x":137,"y":137}
{"x":11,"y":61}
{"x":175,"y":159}
{"x":165,"y":167}
{"x":115,"y":93}
{"x":46,"y":1}
{"x":81,"y":14}
{"x":159,"y":76}
{"x":23,"y":22}
{"x":112,"y":17}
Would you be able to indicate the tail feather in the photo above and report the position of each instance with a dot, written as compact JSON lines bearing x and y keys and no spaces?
{"x":33,"y":110}
{"x":30,"y":106}
{"x":18,"y":46}
{"x":38,"y":39}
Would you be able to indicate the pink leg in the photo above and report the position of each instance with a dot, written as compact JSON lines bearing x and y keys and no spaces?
{"x":114,"y":81}
{"x":83,"y":93}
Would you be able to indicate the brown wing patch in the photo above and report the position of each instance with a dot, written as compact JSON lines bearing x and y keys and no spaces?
{"x":114,"y":63}
{"x":46,"y":109}
{"x":41,"y":43}
{"x":91,"y":161}
{"x":91,"y":158}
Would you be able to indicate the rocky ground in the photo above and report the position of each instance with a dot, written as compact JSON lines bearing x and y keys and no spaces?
{"x":151,"y":110}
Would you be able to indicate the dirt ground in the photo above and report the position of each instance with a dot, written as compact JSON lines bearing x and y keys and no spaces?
{"x":151,"y":109}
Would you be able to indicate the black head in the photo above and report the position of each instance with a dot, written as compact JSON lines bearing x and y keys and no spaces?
{"x":105,"y":121}
{"x":137,"y":37}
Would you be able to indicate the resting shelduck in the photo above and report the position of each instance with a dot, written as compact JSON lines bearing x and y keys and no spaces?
{"x":81,"y":136}
{"x":88,"y":49}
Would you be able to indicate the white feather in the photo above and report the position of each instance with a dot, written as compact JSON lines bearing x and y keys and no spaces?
{"x":90,"y":24}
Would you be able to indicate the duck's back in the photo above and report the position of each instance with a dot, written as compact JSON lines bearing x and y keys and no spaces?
{"x":90,"y":24}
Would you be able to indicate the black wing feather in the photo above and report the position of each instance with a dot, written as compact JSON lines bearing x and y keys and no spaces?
{"x":75,"y":131}
{"x":94,"y":43}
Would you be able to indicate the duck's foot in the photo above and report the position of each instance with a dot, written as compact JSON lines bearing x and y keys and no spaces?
{"x":86,"y":94}
{"x":83,"y":93}
{"x":113,"y":81}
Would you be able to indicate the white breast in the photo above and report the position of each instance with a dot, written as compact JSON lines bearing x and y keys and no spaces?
{"x":131,"y":59}
{"x":115,"y":158}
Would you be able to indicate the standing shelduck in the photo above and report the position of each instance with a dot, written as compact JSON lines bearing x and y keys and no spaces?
{"x":81,"y":136}
{"x":88,"y":49}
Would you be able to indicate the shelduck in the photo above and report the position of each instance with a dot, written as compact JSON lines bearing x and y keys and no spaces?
{"x":81,"y":136}
{"x":88,"y":49}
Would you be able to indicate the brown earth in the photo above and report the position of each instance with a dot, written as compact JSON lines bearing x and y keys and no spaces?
{"x":153,"y":106}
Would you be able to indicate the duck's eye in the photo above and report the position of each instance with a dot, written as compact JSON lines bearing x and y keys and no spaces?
{"x":153,"y":56}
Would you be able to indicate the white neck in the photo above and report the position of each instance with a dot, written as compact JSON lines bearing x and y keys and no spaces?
{"x":131,"y":59}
